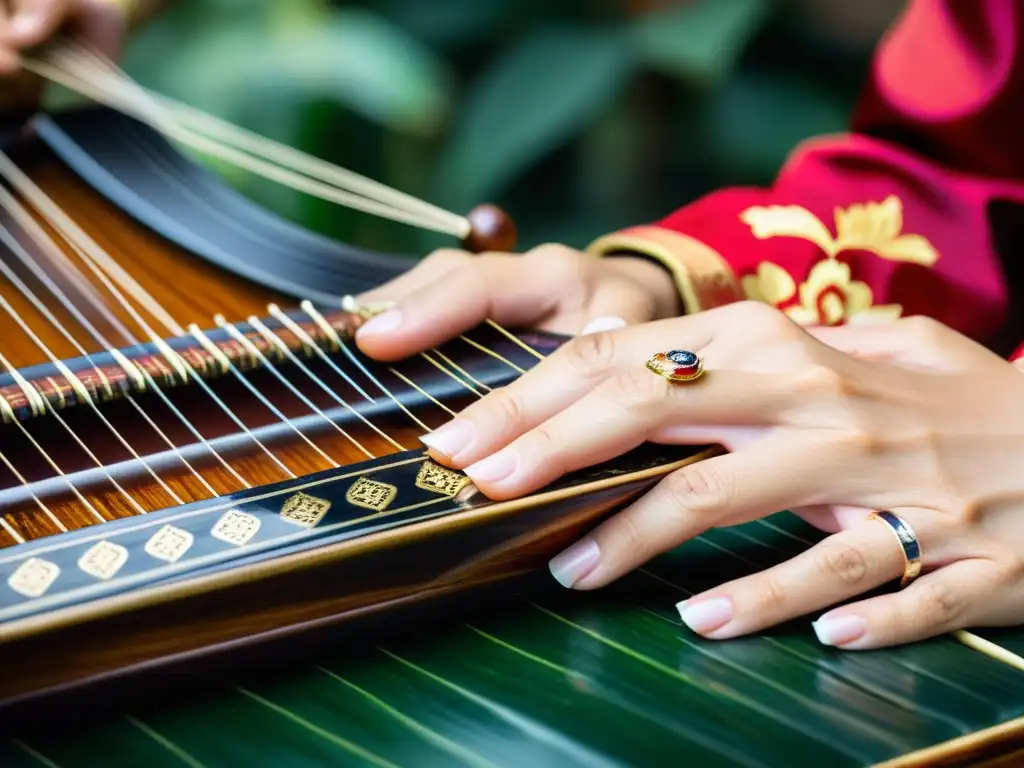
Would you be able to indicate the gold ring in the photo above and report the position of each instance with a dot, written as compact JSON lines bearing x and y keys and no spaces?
{"x":908,"y":542}
{"x":677,"y":365}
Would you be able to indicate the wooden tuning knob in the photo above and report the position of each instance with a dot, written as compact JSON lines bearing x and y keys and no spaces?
{"x":491,"y":230}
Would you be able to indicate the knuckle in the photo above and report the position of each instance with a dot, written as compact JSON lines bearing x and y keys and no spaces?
{"x":636,"y":391}
{"x":819,"y":380}
{"x":505,"y":408}
{"x":923,"y":329}
{"x":696,"y":488}
{"x":769,"y":597}
{"x":758,"y":314}
{"x":842,"y":562}
{"x":590,"y":354}
{"x":942,"y":601}
{"x":562,"y":264}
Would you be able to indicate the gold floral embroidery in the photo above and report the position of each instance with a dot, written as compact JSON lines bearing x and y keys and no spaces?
{"x":874,"y":227}
{"x":829,"y":296}
{"x":772,"y":284}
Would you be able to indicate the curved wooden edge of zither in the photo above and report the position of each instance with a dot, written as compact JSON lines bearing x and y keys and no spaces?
{"x":1000,"y":746}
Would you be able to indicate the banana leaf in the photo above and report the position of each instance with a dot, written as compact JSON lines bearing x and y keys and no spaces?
{"x":609,"y":678}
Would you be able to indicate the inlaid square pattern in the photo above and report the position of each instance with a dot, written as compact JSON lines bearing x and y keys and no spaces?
{"x":371,"y":494}
{"x":103,"y":559}
{"x":447,"y":482}
{"x":304,"y":510}
{"x":236,"y":527}
{"x":34,"y":577}
{"x":169,"y":543}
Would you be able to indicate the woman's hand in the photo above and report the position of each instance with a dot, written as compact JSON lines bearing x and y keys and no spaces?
{"x":27,"y":23}
{"x":908,"y":417}
{"x":551,"y":288}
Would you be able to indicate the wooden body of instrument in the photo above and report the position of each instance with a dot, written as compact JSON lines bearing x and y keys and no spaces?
{"x":170,"y":566}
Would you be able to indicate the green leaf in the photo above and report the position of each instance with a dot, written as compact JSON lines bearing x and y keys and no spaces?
{"x":699,"y":41}
{"x":537,"y":95}
{"x":600,"y":679}
{"x":368,"y":64}
{"x":449,"y":22}
{"x":353,"y":57}
{"x":751,"y":125}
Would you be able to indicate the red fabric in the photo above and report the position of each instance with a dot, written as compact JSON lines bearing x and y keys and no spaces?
{"x":936,"y":138}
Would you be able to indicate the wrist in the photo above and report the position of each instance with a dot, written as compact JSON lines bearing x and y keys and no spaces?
{"x":702,"y":278}
{"x":656,"y":280}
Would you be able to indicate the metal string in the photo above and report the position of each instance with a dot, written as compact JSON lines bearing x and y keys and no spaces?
{"x":274,"y":339}
{"x":142,"y":376}
{"x":107,"y":85}
{"x":91,"y":253}
{"x":45,"y":510}
{"x":73,"y":235}
{"x":44,"y":310}
{"x":85,"y":502}
{"x":339,"y":343}
{"x":84,"y":395}
{"x":254,"y":352}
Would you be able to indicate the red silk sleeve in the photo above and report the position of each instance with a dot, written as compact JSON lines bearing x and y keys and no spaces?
{"x":892,"y":219}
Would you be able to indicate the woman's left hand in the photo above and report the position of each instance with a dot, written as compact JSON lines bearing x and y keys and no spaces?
{"x":909,"y":417}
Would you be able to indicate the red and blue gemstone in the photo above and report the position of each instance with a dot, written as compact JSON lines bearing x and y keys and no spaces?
{"x":677,"y":365}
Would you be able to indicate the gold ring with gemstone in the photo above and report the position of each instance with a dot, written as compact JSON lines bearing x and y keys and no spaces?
{"x":908,"y":542}
{"x":677,"y":365}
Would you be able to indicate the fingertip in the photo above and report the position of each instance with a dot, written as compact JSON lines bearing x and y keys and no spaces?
{"x":841,"y":631}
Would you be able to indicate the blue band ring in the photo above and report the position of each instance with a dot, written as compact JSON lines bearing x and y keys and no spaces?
{"x":908,"y":542}
{"x":677,"y":365}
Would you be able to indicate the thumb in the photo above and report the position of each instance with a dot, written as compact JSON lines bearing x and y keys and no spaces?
{"x":502,"y":289}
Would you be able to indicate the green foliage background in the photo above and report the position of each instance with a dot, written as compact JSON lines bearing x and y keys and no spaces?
{"x":579,"y":117}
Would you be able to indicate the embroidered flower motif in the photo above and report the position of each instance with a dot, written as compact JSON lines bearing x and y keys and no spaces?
{"x":874,"y":227}
{"x":830,"y":297}
{"x":772,"y":284}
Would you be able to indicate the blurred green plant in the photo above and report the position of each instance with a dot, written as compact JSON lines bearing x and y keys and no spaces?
{"x":577,"y":116}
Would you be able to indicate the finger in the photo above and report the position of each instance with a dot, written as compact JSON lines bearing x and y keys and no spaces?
{"x":502,"y":288}
{"x":426,"y":271}
{"x":33,"y":21}
{"x":561,"y":379}
{"x":953,"y":597}
{"x":841,"y":566}
{"x":736,"y":487}
{"x":619,"y":415}
{"x":914,"y":341}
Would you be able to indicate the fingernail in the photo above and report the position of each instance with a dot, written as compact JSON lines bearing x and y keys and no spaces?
{"x":841,"y":630}
{"x":494,"y":468}
{"x":598,"y":324}
{"x":576,"y":562}
{"x":384,"y":323}
{"x":452,"y":438}
{"x":706,"y":615}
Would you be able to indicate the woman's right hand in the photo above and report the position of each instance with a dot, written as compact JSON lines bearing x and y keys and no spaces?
{"x":24,"y":24}
{"x":551,"y":288}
